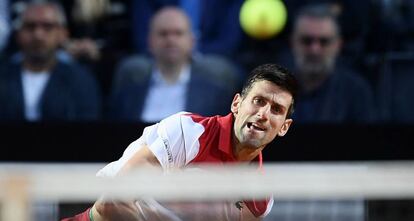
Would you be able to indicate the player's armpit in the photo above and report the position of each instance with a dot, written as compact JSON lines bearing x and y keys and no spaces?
{"x":143,"y":157}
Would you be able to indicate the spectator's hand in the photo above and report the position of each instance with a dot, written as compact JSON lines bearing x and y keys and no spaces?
{"x":84,"y":48}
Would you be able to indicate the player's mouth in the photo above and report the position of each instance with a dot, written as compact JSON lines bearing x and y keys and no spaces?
{"x":255,"y":126}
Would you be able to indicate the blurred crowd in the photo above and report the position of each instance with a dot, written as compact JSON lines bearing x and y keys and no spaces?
{"x":142,"y":60}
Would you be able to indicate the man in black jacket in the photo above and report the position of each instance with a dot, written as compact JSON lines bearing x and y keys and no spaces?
{"x":38,"y":85}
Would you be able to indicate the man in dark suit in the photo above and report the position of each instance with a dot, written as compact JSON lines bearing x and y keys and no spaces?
{"x":149,"y":90}
{"x":38,"y":85}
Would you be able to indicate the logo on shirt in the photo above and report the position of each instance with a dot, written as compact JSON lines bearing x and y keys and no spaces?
{"x":239,"y":205}
{"x":167,"y":148}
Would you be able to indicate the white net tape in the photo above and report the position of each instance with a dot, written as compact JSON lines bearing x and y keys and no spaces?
{"x":77,"y":182}
{"x":21,"y":183}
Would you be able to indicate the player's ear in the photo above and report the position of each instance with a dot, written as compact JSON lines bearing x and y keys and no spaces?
{"x":285,"y":127}
{"x":236,"y":103}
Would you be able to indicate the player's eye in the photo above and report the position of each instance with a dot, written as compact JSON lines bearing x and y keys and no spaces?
{"x":259,"y":101}
{"x":276,"y":109}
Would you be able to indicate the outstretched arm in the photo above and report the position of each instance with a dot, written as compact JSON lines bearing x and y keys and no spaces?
{"x":105,"y":210}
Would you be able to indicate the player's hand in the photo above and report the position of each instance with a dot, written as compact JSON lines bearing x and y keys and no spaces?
{"x":140,"y":210}
{"x":115,"y":210}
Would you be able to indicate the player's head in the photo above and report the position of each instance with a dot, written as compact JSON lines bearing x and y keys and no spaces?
{"x":276,"y":74}
{"x":170,"y":38}
{"x":262,"y":111}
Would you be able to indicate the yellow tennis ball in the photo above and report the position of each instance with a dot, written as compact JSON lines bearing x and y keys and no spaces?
{"x":262,"y":19}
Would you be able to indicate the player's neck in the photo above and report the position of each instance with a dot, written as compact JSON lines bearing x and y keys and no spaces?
{"x":245,"y":153}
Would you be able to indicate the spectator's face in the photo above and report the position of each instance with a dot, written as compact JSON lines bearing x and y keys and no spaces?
{"x":261,"y":115}
{"x":316,"y":45}
{"x":40,"y":34}
{"x":171,"y":41}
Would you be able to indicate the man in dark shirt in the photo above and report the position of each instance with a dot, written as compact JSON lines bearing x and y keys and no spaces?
{"x":330,"y":92}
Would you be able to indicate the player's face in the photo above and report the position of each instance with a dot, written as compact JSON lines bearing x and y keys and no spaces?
{"x":261,"y":115}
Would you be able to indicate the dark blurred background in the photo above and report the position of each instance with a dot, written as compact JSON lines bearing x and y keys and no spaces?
{"x":378,"y":43}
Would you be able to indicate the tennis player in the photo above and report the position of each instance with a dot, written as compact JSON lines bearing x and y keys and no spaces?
{"x":259,"y":114}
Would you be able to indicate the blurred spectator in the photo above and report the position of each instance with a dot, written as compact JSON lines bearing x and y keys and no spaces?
{"x":99,"y":35}
{"x":87,"y":12}
{"x":330,"y":91}
{"x":149,"y":90}
{"x":347,"y":12}
{"x":4,"y":24}
{"x":37,"y":85}
{"x":214,"y":22}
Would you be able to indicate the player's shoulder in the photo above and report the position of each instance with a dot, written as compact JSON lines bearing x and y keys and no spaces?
{"x":191,"y":122}
{"x":182,"y":121}
{"x":183,"y":116}
{"x":176,"y":118}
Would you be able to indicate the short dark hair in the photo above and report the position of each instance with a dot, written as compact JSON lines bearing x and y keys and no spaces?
{"x":276,"y":74}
